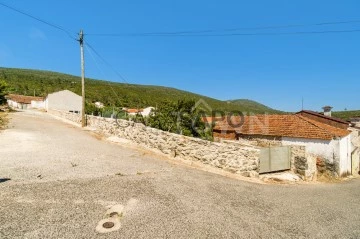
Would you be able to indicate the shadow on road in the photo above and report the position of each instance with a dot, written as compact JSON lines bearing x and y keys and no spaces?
{"x":3,"y":180}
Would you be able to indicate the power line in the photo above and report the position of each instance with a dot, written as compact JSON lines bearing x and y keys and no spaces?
{"x":203,"y":33}
{"x":63,"y":30}
{"x":106,"y":62}
{"x":184,"y":33}
{"x":101,"y":71}
{"x":38,"y":19}
{"x":239,"y":34}
{"x":270,"y":33}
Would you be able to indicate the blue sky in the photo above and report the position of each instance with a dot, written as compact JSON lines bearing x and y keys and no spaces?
{"x":277,"y":71}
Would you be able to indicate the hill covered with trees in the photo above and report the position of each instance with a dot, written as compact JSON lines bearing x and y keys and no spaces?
{"x":41,"y":83}
{"x":346,"y":115}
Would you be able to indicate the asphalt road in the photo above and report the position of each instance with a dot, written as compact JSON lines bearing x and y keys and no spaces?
{"x":63,"y":180}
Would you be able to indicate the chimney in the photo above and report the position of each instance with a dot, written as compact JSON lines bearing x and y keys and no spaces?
{"x":327,"y":110}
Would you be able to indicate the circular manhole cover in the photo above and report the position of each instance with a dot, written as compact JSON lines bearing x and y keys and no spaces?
{"x":108,"y":225}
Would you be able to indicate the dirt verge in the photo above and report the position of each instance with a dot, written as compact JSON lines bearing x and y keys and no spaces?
{"x":3,"y":120}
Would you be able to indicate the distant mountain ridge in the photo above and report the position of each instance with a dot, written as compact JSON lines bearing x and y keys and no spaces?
{"x":253,"y":105}
{"x":41,"y":83}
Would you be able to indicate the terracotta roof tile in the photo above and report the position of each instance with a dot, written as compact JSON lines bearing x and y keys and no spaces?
{"x":323,"y":116}
{"x":23,"y":98}
{"x":295,"y":126}
{"x":134,"y":110}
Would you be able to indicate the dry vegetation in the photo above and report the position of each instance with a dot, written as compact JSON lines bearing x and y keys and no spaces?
{"x":3,"y":120}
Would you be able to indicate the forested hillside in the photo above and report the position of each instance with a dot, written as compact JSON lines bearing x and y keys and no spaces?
{"x":41,"y":83}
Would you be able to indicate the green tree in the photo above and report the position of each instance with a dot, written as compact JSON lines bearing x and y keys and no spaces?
{"x":180,"y":118}
{"x":3,"y":91}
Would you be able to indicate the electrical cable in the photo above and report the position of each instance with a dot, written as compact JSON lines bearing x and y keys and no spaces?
{"x":205,"y":32}
{"x":102,"y":72}
{"x":106,"y":62}
{"x":39,"y":20}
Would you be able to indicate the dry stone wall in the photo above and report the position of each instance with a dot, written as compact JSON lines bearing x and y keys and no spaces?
{"x":73,"y":117}
{"x":303,"y":164}
{"x":229,"y":156}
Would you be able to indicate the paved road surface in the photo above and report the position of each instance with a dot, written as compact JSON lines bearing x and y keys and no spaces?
{"x":63,"y":179}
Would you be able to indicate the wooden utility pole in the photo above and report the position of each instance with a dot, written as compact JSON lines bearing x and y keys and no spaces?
{"x":81,"y":40}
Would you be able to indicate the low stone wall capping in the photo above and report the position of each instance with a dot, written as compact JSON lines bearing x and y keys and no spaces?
{"x":232,"y":157}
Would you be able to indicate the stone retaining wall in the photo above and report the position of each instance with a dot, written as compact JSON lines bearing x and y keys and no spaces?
{"x":76,"y":118}
{"x":229,"y":156}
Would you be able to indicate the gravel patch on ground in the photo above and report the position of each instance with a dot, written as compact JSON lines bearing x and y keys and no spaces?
{"x":47,"y":149}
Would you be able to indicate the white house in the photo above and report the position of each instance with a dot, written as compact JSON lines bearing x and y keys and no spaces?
{"x":355,"y":158}
{"x":325,"y":138}
{"x":64,"y":100}
{"x":38,"y":104}
{"x":99,"y":105}
{"x":144,"y":112}
{"x":336,"y":151}
{"x":25,"y":102}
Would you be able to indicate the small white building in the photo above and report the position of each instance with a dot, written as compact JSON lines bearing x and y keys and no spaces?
{"x":325,"y":138}
{"x":25,"y":102}
{"x":144,"y":112}
{"x":336,"y":151}
{"x":38,"y":104}
{"x":64,"y":100}
{"x":147,"y":111}
{"x":99,"y":105}
{"x":355,"y":141}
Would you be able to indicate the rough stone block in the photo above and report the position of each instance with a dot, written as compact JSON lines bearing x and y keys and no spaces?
{"x":250,"y":174}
